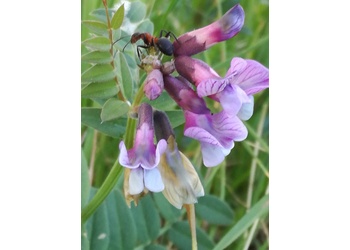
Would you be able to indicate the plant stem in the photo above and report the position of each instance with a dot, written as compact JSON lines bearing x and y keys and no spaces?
{"x":93,"y":155}
{"x":110,"y":34}
{"x":116,"y":170}
{"x":102,"y":192}
{"x":192,"y":221}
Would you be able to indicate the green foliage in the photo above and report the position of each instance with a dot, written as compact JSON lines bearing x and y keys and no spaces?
{"x":235,"y":192}
{"x":215,"y":211}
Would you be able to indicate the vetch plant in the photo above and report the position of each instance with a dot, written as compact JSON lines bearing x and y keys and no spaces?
{"x":160,"y":105}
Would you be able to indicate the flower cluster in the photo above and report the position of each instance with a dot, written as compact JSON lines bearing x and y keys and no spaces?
{"x":162,"y":167}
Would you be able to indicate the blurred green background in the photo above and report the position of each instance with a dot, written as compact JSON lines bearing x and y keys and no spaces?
{"x":232,"y":188}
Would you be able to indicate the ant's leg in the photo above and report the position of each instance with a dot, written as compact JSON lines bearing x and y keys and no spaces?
{"x":168,"y":34}
{"x":139,"y":50}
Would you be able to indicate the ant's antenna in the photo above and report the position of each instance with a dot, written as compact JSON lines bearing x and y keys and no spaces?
{"x":116,"y":42}
{"x":126,"y":45}
{"x":119,"y":39}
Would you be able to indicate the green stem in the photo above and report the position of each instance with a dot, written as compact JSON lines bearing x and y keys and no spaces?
{"x":116,"y":170}
{"x":102,"y":193}
{"x":111,"y":179}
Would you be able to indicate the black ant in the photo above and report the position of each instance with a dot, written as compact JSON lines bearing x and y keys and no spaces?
{"x":161,"y":43}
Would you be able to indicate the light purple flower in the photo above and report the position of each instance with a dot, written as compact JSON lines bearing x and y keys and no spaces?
{"x":215,"y":132}
{"x":201,"y":39}
{"x":154,"y":84}
{"x":144,"y":157}
{"x":234,"y":91}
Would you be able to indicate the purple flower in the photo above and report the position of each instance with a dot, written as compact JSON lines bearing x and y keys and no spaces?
{"x":154,"y":84}
{"x":180,"y":90}
{"x":215,"y":132}
{"x":234,"y":91}
{"x":144,"y":157}
{"x":201,"y":39}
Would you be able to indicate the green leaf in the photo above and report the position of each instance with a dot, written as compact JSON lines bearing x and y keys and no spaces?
{"x":180,"y":235}
{"x":137,"y":12}
{"x":145,"y":26}
{"x":98,"y":73}
{"x":168,"y":211}
{"x":101,"y":14}
{"x":91,"y":117}
{"x":257,"y":211}
{"x":100,"y":90}
{"x":214,"y":210}
{"x":100,"y":57}
{"x":117,"y":18}
{"x":124,"y":76}
{"x":113,"y":108}
{"x":121,"y":223}
{"x":85,"y":181}
{"x":176,"y":117}
{"x":85,"y":244}
{"x":97,"y":27}
{"x":155,"y":247}
{"x":147,"y":220}
{"x":98,"y":227}
{"x":164,"y":102}
{"x":99,"y":43}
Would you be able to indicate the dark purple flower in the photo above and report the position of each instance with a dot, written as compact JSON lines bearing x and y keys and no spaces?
{"x":144,"y":157}
{"x":180,"y":90}
{"x":201,"y":39}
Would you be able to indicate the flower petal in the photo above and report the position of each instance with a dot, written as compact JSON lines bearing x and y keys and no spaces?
{"x":161,"y":147}
{"x":194,"y":70}
{"x":228,"y":129}
{"x":246,"y":110}
{"x":237,"y":65}
{"x":201,"y":39}
{"x":136,"y":185}
{"x":201,"y":135}
{"x":211,"y":86}
{"x":213,"y":155}
{"x":153,"y":180}
{"x":126,"y":158}
{"x":231,"y":99}
{"x":182,"y":184}
{"x":253,"y":78}
{"x":179,"y":89}
{"x":154,"y":84}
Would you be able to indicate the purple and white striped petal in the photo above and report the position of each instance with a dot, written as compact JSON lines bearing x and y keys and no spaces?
{"x":252,"y":78}
{"x":219,"y":130}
